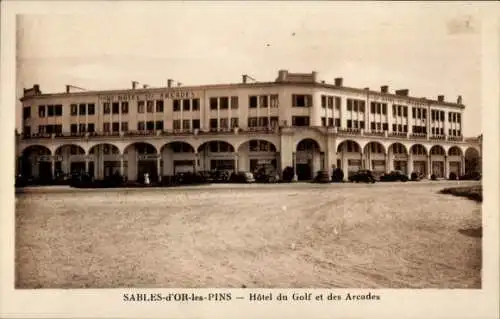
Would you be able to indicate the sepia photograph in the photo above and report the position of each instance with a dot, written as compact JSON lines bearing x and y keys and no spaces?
{"x":259,"y":145}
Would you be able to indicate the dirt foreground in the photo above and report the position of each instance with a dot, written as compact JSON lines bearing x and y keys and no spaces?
{"x":396,"y":235}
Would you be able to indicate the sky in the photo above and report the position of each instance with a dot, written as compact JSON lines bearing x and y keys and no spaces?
{"x":428,"y":48}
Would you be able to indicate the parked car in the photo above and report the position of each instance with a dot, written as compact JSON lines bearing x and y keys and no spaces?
{"x":242,"y":177}
{"x":394,"y":176}
{"x":220,"y":176}
{"x":416,"y":176}
{"x":266,"y":174}
{"x":322,"y":177}
{"x":364,"y":176}
{"x":474,"y":176}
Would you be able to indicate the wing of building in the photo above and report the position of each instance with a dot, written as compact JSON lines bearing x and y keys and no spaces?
{"x":294,"y":121}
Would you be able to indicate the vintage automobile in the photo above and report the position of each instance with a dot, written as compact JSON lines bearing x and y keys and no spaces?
{"x":265,"y":173}
{"x":394,"y":176}
{"x":363,"y":176}
{"x":322,"y":177}
{"x":241,"y":177}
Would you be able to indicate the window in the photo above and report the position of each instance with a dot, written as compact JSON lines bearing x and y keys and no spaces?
{"x":252,"y":122}
{"x":150,"y":125}
{"x":115,"y":108}
{"x":349,"y":104}
{"x":337,"y":122}
{"x":424,"y":114}
{"x":223,"y":123}
{"x":26,"y":112}
{"x":274,"y":100}
{"x":196,"y":124}
{"x":300,"y":120}
{"x":58,"y":110}
{"x":264,"y":102}
{"x":213,"y":103}
{"x":50,"y":110}
{"x":196,"y":104}
{"x":394,"y":108}
{"x":141,"y":126}
{"x":105,"y":127}
{"x":349,"y":122}
{"x":116,"y":126}
{"x":41,"y":129}
{"x":323,"y":121}
{"x":330,"y":122}
{"x":106,"y":108}
{"x":274,"y":121}
{"x":394,"y":127}
{"x":149,"y":106}
{"x":372,"y":126}
{"x":323,"y":102}
{"x":458,"y":118}
{"x":362,"y":124}
{"x":330,"y":102}
{"x":124,"y":107}
{"x":372,"y":107}
{"x":159,"y":125}
{"x":73,"y":109}
{"x":213,"y":123}
{"x":91,"y":128}
{"x":362,"y":106}
{"x":177,"y":124}
{"x":338,"y":102}
{"x":234,"y":102}
{"x":234,"y":122}
{"x":186,"y":104}
{"x":252,"y":102}
{"x":400,"y":128}
{"x":299,"y":100}
{"x":124,"y":126}
{"x":74,"y":128}
{"x":177,"y":105}
{"x":405,"y":111}
{"x":384,"y":108}
{"x":186,"y":124}
{"x":385,"y":126}
{"x":262,"y":121}
{"x":223,"y":103}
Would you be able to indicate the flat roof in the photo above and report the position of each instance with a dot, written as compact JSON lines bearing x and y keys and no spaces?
{"x":245,"y":85}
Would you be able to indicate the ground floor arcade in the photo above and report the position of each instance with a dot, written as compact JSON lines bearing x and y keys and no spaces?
{"x":306,"y":158}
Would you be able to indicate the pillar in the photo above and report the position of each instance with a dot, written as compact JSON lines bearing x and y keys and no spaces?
{"x":410,"y":164}
{"x":236,"y":162}
{"x":345,"y":167}
{"x":121,"y":165}
{"x":53,"y":166}
{"x":388,"y":161}
{"x":429,"y":169}
{"x":196,"y":159}
{"x":86,"y":165}
{"x":446,"y":167}
{"x":294,"y":164}
{"x":462,"y":165}
{"x":158,"y":167}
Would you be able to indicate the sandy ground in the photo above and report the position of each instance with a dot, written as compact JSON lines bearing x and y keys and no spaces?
{"x":396,"y":235}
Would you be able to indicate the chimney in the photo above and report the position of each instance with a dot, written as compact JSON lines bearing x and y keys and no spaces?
{"x":282,"y":74}
{"x":459,"y":99}
{"x":339,"y":81}
{"x":314,"y":75}
{"x":169,"y":83}
{"x":67,"y":88}
{"x":145,"y":86}
{"x":440,"y":98}
{"x":36,"y":88}
{"x":384,"y":89}
{"x":245,"y":78}
{"x":403,"y":92}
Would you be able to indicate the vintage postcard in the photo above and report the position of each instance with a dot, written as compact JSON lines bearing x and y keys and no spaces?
{"x":221,"y":159}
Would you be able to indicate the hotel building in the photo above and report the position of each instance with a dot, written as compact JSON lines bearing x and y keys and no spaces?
{"x":296,"y":121}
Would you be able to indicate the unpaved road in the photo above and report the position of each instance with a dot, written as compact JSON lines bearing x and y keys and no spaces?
{"x":395,"y":235}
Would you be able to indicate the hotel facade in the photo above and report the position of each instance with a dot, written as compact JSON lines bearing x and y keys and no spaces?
{"x":295,"y":121}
